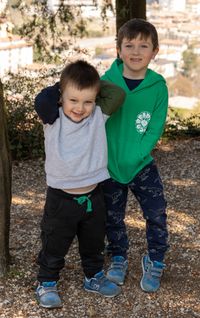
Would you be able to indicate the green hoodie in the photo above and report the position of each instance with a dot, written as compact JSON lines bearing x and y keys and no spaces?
{"x":133,"y":131}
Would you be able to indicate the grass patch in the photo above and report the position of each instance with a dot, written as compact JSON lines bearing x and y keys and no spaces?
{"x":184,"y":113}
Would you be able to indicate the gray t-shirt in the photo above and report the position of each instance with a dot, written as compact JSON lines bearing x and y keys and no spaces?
{"x":76,"y":153}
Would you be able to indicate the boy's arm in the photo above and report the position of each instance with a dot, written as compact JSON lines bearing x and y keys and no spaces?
{"x":157,"y":123}
{"x":47,"y":104}
{"x":110,"y":97}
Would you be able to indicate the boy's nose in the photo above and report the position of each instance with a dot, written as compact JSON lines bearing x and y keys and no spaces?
{"x":79,"y":108}
{"x":135,"y":50}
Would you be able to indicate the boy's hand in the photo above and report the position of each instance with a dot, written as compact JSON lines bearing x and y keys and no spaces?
{"x":110,"y":97}
{"x":47,"y":104}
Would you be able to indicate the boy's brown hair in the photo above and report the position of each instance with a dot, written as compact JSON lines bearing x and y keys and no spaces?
{"x":134,"y":27}
{"x":81,"y":75}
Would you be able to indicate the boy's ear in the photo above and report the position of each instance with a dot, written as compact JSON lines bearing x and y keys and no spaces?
{"x":118,"y":52}
{"x":60,"y":100}
{"x":155,"y":52}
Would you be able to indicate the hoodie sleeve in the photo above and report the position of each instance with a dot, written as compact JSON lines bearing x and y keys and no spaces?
{"x":110,"y":97}
{"x":47,"y":104}
{"x":157,"y":123}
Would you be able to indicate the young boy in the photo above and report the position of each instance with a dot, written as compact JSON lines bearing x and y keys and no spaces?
{"x":75,"y":165}
{"x":132,"y":133}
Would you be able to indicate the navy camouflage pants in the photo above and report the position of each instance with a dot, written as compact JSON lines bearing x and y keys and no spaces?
{"x":148,"y":190}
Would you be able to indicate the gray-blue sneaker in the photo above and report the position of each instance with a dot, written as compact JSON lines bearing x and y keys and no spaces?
{"x":47,"y":295}
{"x":101,"y":285}
{"x":152,"y":273}
{"x":117,"y":270}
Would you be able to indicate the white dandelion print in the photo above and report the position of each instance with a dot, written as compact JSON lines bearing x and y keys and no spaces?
{"x":142,"y":121}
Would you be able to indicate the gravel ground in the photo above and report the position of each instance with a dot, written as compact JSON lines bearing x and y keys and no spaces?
{"x":178,"y":296}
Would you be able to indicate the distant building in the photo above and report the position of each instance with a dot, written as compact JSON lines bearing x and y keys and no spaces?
{"x":183,"y":102}
{"x":88,"y":7}
{"x":193,"y":6}
{"x":172,"y":50}
{"x":53,"y":4}
{"x":169,"y":44}
{"x":196,"y":48}
{"x":177,"y":5}
{"x":164,"y":67}
{"x":163,"y":4}
{"x":14,"y":53}
{"x":173,"y":5}
{"x":2,"y":5}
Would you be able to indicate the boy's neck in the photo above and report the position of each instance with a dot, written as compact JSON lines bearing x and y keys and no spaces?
{"x":133,"y":79}
{"x":132,"y":83}
{"x":135,"y":75}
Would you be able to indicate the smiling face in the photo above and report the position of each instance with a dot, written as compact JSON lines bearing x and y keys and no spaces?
{"x":136,"y":55}
{"x":78,"y":103}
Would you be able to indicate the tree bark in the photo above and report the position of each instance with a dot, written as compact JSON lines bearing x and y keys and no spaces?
{"x":129,"y":9}
{"x":5,"y":189}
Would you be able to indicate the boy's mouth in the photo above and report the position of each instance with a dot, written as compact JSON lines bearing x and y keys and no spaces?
{"x":136,"y":60}
{"x":77,"y":114}
{"x":76,"y":118}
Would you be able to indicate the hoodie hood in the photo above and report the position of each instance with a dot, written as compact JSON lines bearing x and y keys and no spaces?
{"x":115,"y":75}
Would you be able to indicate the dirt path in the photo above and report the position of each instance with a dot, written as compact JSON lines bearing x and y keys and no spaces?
{"x":179,"y":295}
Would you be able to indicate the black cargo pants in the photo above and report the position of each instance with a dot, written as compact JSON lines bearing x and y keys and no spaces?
{"x":65,"y":216}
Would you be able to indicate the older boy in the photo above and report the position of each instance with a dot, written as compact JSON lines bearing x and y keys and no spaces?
{"x":132,"y":133}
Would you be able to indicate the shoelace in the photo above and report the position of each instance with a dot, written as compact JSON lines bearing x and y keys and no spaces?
{"x":82,"y":199}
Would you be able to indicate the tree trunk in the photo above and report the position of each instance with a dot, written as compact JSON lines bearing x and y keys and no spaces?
{"x":5,"y":189}
{"x":129,"y":9}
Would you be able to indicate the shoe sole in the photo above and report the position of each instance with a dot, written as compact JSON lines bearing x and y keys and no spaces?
{"x":143,"y":272}
{"x":114,"y":281}
{"x":50,"y":307}
{"x":94,"y":291}
{"x":46,"y":306}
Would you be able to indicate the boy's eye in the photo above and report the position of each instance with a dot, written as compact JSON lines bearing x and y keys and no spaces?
{"x":144,"y":46}
{"x":89,"y":102}
{"x":73,"y":100}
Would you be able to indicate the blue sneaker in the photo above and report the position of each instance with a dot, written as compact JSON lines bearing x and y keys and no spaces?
{"x":47,"y":295}
{"x":117,"y":270}
{"x":152,"y":273}
{"x":101,"y":285}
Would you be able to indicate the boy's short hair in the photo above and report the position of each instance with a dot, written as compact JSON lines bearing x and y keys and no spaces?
{"x":134,"y":27}
{"x":80,"y":74}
